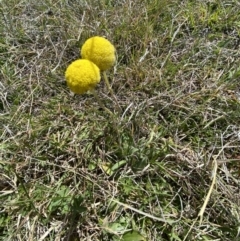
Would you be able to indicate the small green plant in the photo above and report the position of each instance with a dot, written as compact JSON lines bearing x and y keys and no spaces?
{"x":63,"y":202}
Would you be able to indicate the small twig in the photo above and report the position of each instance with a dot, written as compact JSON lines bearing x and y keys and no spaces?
{"x":143,"y":213}
{"x":209,"y":191}
{"x":212,"y":121}
{"x":200,"y":214}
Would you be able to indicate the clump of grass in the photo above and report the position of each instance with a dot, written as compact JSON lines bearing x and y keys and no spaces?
{"x":68,"y":171}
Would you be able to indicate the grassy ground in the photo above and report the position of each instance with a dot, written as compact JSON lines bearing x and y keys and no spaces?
{"x":166,"y":167}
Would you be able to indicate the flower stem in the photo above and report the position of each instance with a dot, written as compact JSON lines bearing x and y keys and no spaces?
{"x":110,"y":90}
{"x":101,"y":103}
{"x":114,"y":121}
{"x":107,"y":82}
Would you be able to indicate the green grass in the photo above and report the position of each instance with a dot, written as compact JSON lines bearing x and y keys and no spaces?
{"x":69,"y":171}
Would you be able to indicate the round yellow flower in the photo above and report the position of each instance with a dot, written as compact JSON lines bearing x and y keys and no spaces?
{"x":100,"y":51}
{"x":82,"y":75}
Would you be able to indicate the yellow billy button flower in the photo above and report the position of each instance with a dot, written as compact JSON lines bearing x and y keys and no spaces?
{"x":100,"y":51}
{"x":82,"y":75}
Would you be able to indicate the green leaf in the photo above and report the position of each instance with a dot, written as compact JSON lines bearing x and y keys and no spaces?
{"x":109,"y":169}
{"x":117,"y":227}
{"x":133,"y":236}
{"x":174,"y":237}
{"x":118,"y":165}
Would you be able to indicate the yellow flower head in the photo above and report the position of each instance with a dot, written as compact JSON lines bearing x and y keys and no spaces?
{"x":82,"y":75}
{"x":100,"y":51}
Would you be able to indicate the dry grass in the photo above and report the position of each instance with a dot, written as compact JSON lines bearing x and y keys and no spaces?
{"x":166,"y":167}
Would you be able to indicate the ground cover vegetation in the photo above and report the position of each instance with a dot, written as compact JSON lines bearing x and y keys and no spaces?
{"x":164,"y":166}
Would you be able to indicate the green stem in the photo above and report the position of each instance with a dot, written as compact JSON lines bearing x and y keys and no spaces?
{"x":101,"y":103}
{"x":111,"y":91}
{"x":109,"y":112}
{"x":26,"y":192}
{"x":107,"y":82}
